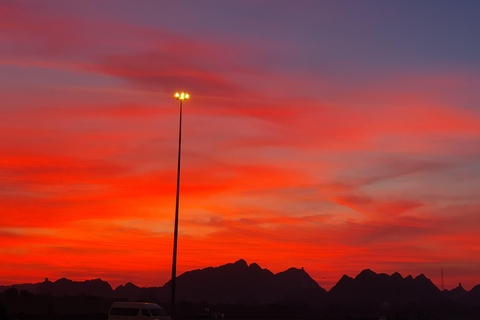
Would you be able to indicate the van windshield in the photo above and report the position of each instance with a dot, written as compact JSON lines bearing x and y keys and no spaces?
{"x":124,"y":311}
{"x":158,"y":312}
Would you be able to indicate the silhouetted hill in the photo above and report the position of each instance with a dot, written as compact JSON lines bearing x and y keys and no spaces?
{"x":128,"y":291}
{"x":458,"y":293}
{"x":294,"y":277}
{"x":63,"y":286}
{"x":239,"y":283}
{"x":250,"y":285}
{"x":475,"y":292}
{"x":299,"y":287}
{"x":473,"y":296}
{"x":133,"y":293}
{"x":30,"y":287}
{"x":23,"y":304}
{"x":369,"y":287}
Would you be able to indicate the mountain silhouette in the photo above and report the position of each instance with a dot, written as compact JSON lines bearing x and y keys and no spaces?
{"x":133,"y":293}
{"x":370,"y":287}
{"x":63,"y":286}
{"x":128,"y":291}
{"x":240,"y":283}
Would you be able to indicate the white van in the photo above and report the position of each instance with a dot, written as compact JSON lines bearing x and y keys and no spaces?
{"x":137,"y":310}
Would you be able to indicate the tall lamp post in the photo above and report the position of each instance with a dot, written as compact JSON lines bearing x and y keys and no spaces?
{"x":179,"y":96}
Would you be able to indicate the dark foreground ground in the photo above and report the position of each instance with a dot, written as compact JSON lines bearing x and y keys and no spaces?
{"x":26,"y":306}
{"x":195,"y":312}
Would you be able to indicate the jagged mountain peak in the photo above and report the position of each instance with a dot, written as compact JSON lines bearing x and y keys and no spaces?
{"x":240,"y":263}
{"x":366,"y":275}
{"x":424,"y":281}
{"x":346,"y":278}
{"x":294,"y":272}
{"x":64,"y":286}
{"x":459,"y":289}
{"x":476,"y":289}
{"x":421,"y":277}
{"x":368,"y":285}
{"x":366,"y":272}
{"x":295,"y":277}
{"x":344,"y":282}
{"x":241,"y":281}
{"x":255,"y":266}
{"x":127,"y":285}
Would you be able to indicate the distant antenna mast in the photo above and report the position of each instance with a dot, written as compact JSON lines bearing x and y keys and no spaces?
{"x":443,"y":287}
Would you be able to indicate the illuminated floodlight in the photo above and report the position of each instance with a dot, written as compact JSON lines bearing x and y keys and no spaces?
{"x":182,"y":96}
{"x":179,"y":96}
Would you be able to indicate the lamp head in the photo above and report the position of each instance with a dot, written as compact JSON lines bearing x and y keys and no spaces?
{"x":182,"y":96}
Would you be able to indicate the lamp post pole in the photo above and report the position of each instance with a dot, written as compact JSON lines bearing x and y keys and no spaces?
{"x":180,"y":96}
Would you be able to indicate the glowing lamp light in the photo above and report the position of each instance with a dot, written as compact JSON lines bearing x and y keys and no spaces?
{"x":182,"y":96}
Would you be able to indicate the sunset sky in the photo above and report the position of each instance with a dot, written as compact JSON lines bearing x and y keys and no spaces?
{"x":330,"y":135}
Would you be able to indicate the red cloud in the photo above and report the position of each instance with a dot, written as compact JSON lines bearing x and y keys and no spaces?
{"x":378,"y":207}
